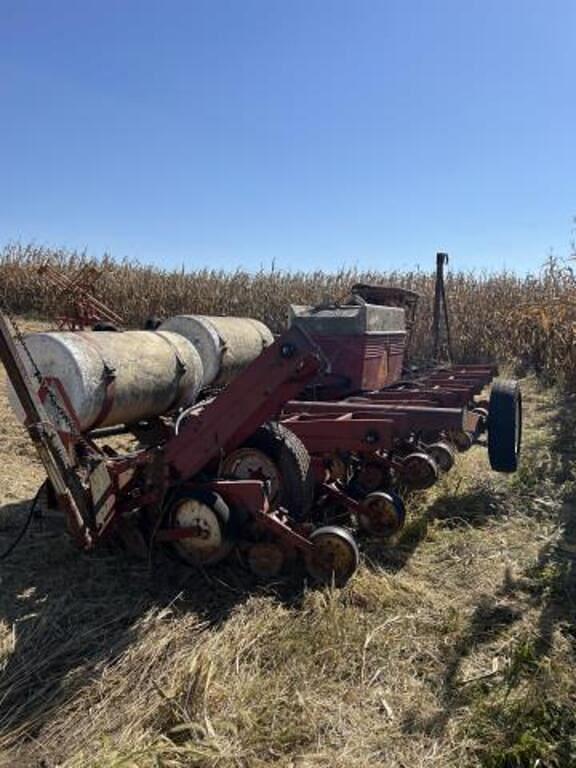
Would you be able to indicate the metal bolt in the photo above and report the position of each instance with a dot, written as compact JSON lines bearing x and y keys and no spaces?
{"x":288,"y":350}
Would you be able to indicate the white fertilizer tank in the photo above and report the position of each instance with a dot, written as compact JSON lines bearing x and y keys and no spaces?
{"x":116,"y":378}
{"x":226,"y":344}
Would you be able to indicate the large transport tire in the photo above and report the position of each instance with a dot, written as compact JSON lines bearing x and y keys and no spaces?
{"x":296,"y":491}
{"x":505,"y":425}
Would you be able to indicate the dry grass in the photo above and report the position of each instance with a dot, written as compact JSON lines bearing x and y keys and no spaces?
{"x":452,"y":647}
{"x":531,"y":320}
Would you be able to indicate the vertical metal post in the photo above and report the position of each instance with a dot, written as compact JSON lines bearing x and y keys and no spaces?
{"x":440,"y":257}
{"x":440,"y":306}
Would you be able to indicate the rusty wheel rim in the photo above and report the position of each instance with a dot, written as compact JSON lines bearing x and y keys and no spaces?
{"x":207,"y":544}
{"x":334,"y":556}
{"x":252,"y":464}
{"x":419,"y":471}
{"x":381,"y":515}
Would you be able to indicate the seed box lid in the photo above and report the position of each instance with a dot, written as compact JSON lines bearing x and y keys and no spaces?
{"x":348,"y":320}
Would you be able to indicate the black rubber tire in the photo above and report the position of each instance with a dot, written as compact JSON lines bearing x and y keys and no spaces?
{"x":152,"y":323}
{"x":105,"y":326}
{"x":293,"y":461}
{"x":505,"y":425}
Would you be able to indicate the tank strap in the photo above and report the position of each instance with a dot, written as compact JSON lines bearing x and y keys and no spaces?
{"x":109,"y":378}
{"x":181,"y":366}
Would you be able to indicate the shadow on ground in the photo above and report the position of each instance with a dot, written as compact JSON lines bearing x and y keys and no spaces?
{"x":473,"y":508}
{"x":67,"y":614}
{"x":547,"y":588}
{"x":553,"y":576}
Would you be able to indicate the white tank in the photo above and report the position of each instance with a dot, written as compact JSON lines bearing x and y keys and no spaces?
{"x":116,"y":378}
{"x":226,"y":344}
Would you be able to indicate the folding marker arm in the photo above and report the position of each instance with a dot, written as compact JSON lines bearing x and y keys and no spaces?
{"x":51,"y":450}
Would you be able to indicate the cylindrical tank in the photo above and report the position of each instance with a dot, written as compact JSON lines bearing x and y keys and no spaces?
{"x":226,"y":344}
{"x":117,"y":378}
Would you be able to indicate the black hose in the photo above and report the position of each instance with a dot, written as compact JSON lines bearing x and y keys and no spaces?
{"x":20,"y":535}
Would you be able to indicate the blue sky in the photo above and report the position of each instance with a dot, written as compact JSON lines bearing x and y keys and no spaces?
{"x":308,"y":133}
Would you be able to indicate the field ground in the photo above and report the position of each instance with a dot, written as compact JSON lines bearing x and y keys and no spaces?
{"x":453,"y":646}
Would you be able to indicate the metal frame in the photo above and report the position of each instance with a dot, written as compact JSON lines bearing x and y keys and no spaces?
{"x":381,"y":427}
{"x":95,"y":487}
{"x":81,"y":308}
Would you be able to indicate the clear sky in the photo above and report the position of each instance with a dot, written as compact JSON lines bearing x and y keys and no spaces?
{"x":311,"y":133}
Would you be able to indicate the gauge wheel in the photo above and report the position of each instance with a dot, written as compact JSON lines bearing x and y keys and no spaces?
{"x":419,"y":471}
{"x":209,"y":516}
{"x":334,"y":556}
{"x":275,"y":454}
{"x":505,"y":425}
{"x":443,"y":454}
{"x":461,"y":440}
{"x":382,"y":514}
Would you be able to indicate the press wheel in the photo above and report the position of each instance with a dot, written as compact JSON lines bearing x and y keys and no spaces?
{"x":419,"y":471}
{"x":334,"y":556}
{"x":461,"y":440}
{"x":443,"y":454}
{"x":209,"y":518}
{"x":382,"y":514}
{"x":253,"y":464}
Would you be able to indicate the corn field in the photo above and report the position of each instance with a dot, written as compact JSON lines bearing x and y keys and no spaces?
{"x":528,"y":320}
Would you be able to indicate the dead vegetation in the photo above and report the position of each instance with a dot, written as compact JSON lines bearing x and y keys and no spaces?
{"x":530,"y":319}
{"x":453,"y":646}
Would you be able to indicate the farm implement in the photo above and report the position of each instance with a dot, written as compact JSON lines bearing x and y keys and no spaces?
{"x":367,"y":451}
{"x":376,"y":429}
{"x":276,"y":449}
